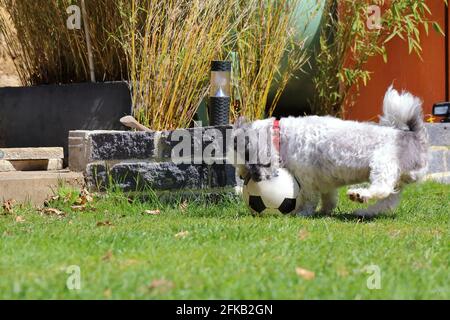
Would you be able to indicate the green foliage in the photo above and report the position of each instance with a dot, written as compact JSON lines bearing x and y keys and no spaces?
{"x":346,"y":44}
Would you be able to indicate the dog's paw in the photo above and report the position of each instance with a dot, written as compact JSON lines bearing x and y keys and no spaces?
{"x":359,"y":195}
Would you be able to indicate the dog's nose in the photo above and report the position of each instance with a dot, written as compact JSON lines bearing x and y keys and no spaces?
{"x":256,"y":177}
{"x":254,"y":172}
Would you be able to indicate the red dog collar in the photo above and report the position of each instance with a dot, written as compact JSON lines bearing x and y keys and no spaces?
{"x":276,"y":135}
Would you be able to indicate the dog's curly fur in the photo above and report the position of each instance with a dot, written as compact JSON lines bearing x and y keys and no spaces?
{"x":325,"y":153}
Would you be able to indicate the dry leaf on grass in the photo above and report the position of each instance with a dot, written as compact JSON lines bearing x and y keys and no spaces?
{"x":394,"y":233}
{"x":342,"y":272}
{"x":20,"y":219}
{"x":104,"y":224}
{"x":8,"y":206}
{"x":183,"y":206}
{"x":84,"y":197}
{"x":182,"y":234}
{"x":152,"y":212}
{"x":79,"y":208}
{"x":303,"y":234}
{"x":107,"y":293}
{"x":67,"y":198}
{"x":51,"y":199}
{"x":52,"y":212}
{"x":305,"y":274}
{"x":54,"y":198}
{"x":108,"y":256}
{"x":129,"y":262}
{"x":161,"y":285}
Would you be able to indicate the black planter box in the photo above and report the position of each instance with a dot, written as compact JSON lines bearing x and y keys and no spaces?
{"x":42,"y":116}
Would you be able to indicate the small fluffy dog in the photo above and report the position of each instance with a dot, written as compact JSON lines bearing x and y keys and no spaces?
{"x":325,"y":153}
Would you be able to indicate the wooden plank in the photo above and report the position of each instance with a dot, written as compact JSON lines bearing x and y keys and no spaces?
{"x":31,"y":153}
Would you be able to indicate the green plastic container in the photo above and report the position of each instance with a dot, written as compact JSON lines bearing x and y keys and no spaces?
{"x":300,"y":89}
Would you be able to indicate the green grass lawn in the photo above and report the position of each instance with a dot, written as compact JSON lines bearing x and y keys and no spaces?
{"x":206,"y":251}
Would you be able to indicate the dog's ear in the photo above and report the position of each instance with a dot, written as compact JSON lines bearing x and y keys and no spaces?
{"x":240,"y":122}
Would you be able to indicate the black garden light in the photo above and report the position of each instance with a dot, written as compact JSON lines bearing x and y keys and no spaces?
{"x":219,"y":94}
{"x":442,"y":110}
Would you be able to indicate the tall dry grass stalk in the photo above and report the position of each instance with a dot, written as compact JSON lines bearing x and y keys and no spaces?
{"x":46,"y":51}
{"x":268,"y":55}
{"x":170,"y":46}
{"x":164,"y":48}
{"x":172,"y":42}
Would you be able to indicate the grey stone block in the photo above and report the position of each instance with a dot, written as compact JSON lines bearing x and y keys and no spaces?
{"x":436,"y":161}
{"x":132,"y":176}
{"x":90,"y":146}
{"x":222,"y":175}
{"x":97,"y":176}
{"x":447,"y":161}
{"x":438,"y":133}
{"x":200,"y":141}
{"x":443,"y":179}
{"x":159,"y":176}
{"x":122,"y":145}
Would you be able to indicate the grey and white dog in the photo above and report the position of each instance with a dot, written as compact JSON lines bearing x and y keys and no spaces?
{"x":325,"y":153}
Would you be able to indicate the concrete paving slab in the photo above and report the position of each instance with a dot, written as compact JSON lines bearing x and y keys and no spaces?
{"x":36,"y":186}
{"x":31,"y":153}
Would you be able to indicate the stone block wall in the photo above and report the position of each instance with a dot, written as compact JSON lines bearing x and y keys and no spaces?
{"x":136,"y":160}
{"x":439,"y":156}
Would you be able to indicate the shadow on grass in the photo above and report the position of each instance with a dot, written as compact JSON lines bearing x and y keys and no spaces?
{"x":351,"y":217}
{"x":344,"y":216}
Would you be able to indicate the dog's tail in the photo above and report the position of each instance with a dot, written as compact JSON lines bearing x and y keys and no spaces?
{"x":403,"y":111}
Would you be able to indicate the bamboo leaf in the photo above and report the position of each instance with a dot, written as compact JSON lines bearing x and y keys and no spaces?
{"x":426,"y":27}
{"x":438,"y":28}
{"x":390,"y":37}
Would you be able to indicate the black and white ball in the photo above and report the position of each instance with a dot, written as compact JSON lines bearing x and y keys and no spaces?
{"x":277,"y":195}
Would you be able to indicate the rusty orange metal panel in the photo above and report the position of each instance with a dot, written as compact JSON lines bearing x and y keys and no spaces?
{"x":425,"y":78}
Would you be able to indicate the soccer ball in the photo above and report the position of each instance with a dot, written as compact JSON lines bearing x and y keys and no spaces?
{"x":277,"y":195}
